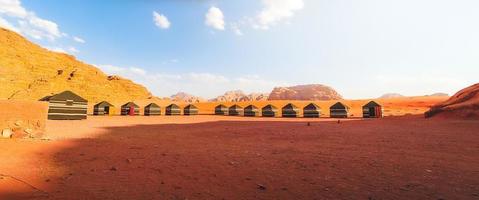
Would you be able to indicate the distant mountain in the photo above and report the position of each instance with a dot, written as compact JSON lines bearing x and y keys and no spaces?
{"x":313,"y":92}
{"x":391,"y":95}
{"x":240,"y":96}
{"x":463,"y":105}
{"x":185,"y":97}
{"x":439,"y":94}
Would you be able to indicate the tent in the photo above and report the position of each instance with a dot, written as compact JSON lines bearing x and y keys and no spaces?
{"x":173,"y":109}
{"x":372,"y":110}
{"x":190,"y":110}
{"x":152,"y":109}
{"x":130,"y":109}
{"x":251,"y":111}
{"x":290,"y":110}
{"x":312,"y":111}
{"x":339,"y":110}
{"x":66,"y":106}
{"x":235,"y":110}
{"x":221,"y":110}
{"x":269,"y":111}
{"x":103,"y":108}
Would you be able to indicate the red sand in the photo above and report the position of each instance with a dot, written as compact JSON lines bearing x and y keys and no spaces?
{"x":209,"y":157}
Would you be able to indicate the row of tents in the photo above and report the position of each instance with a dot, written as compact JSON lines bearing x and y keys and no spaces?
{"x":338,"y":110}
{"x":70,"y":106}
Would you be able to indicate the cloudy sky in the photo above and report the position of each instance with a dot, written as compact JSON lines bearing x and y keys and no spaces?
{"x":363,"y":48}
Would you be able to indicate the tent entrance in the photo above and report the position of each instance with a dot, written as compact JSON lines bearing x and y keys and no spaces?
{"x":107,"y":110}
{"x":372,"y":111}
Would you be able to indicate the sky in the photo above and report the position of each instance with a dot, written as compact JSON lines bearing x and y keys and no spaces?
{"x":363,"y":48}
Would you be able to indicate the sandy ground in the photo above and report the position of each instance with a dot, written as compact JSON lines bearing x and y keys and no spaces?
{"x":211,"y":157}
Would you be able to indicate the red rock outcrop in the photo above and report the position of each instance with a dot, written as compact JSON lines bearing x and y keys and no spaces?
{"x":463,"y":105}
{"x":313,"y":92}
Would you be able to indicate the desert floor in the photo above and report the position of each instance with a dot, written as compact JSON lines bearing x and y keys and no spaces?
{"x":211,"y":157}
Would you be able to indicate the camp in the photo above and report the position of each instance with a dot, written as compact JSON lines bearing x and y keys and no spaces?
{"x":290,"y":110}
{"x":235,"y":110}
{"x":66,"y":106}
{"x":251,"y":111}
{"x":372,"y":110}
{"x":173,"y":109}
{"x":221,"y":110}
{"x":152,"y":109}
{"x":312,"y":111}
{"x":190,"y":110}
{"x":269,"y":111}
{"x":130,"y":108}
{"x":338,"y":110}
{"x":103,"y":108}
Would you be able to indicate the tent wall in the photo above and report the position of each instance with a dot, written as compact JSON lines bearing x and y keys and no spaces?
{"x":221,"y":110}
{"x":251,"y":111}
{"x":151,"y":110}
{"x":67,"y":110}
{"x":173,"y":110}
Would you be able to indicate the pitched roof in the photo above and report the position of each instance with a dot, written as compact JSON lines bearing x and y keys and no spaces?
{"x":312,"y":106}
{"x":152,"y":105}
{"x":173,"y":106}
{"x":130,"y":104}
{"x":191,"y":106}
{"x":104,"y":104}
{"x":65,"y":95}
{"x":270,"y":107}
{"x":339,"y":105}
{"x":372,"y":104}
{"x":290,"y":105}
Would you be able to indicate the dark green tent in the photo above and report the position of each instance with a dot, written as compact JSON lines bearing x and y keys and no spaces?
{"x":130,"y":109}
{"x":103,"y":108}
{"x":339,"y":110}
{"x":372,"y":110}
{"x":251,"y":111}
{"x":269,"y":111}
{"x":221,"y":110}
{"x":290,"y":110}
{"x":66,"y":106}
{"x":152,"y":109}
{"x":312,"y":111}
{"x":235,"y":110}
{"x":173,"y":109}
{"x":190,"y":110}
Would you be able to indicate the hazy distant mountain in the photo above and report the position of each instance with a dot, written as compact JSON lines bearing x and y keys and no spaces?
{"x":240,"y":96}
{"x":185,"y":97}
{"x":311,"y":92}
{"x":391,"y":95}
{"x":439,"y":94}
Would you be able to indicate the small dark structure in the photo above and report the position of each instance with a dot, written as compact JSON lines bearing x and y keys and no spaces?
{"x":173,"y":109}
{"x":235,"y":110}
{"x":190,"y":110}
{"x":290,"y":110}
{"x":312,"y":111}
{"x":103,"y":108}
{"x":251,"y":111}
{"x":130,"y":109}
{"x":339,"y":110}
{"x":152,"y":109}
{"x":269,"y":111}
{"x":221,"y":110}
{"x":372,"y":110}
{"x":66,"y":106}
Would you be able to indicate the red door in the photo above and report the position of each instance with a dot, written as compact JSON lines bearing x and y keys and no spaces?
{"x":131,"y":112}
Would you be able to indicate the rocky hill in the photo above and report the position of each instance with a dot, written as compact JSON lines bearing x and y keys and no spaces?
{"x":313,"y":92}
{"x":240,"y":96}
{"x":30,"y":72}
{"x":463,"y":105}
{"x":185,"y":97}
{"x":391,"y":95}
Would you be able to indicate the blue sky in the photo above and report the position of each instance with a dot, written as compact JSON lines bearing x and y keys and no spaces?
{"x":361,"y":48}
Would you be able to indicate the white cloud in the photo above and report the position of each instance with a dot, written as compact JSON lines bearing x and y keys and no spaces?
{"x":5,"y":24}
{"x":276,"y":11}
{"x":215,"y":18}
{"x":29,"y":23}
{"x":57,"y":49}
{"x":161,"y":20}
{"x":207,"y":85}
{"x":79,"y":40}
{"x":236,"y":29}
{"x":73,"y":50}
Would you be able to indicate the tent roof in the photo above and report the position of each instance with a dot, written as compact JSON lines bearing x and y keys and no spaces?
{"x":270,"y":107}
{"x":104,"y":103}
{"x":312,"y":106}
{"x":173,"y":106}
{"x":65,"y":95}
{"x":339,"y":105}
{"x":191,"y":106}
{"x":290,"y":105}
{"x":235,"y":107}
{"x":152,"y":105}
{"x":372,"y":104}
{"x":130,"y":104}
{"x":221,"y":106}
{"x":251,"y":107}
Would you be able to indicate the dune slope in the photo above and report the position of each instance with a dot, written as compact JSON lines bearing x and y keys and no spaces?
{"x":463,"y":105}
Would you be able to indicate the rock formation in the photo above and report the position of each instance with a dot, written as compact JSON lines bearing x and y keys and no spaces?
{"x":30,"y":72}
{"x":239,"y":96}
{"x":391,"y":95}
{"x":184,"y":97}
{"x":463,"y":105}
{"x":313,"y":92}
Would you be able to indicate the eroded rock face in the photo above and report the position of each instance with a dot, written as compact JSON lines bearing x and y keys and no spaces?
{"x":30,"y":72}
{"x":463,"y":105}
{"x":391,"y":95}
{"x":314,"y":92}
{"x":185,"y":97}
{"x":239,"y":96}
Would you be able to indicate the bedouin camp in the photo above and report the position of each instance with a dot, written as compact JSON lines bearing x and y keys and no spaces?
{"x":152,"y":109}
{"x":338,"y":110}
{"x":372,"y":110}
{"x":311,"y":111}
{"x":235,"y":110}
{"x":190,"y":110}
{"x":221,"y":110}
{"x":66,"y":106}
{"x":251,"y":111}
{"x":130,"y":109}
{"x":103,"y":108}
{"x":173,"y":109}
{"x":269,"y":111}
{"x":290,"y":110}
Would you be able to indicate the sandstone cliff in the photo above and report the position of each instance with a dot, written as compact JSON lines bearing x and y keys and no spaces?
{"x":314,"y":92}
{"x":463,"y":105}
